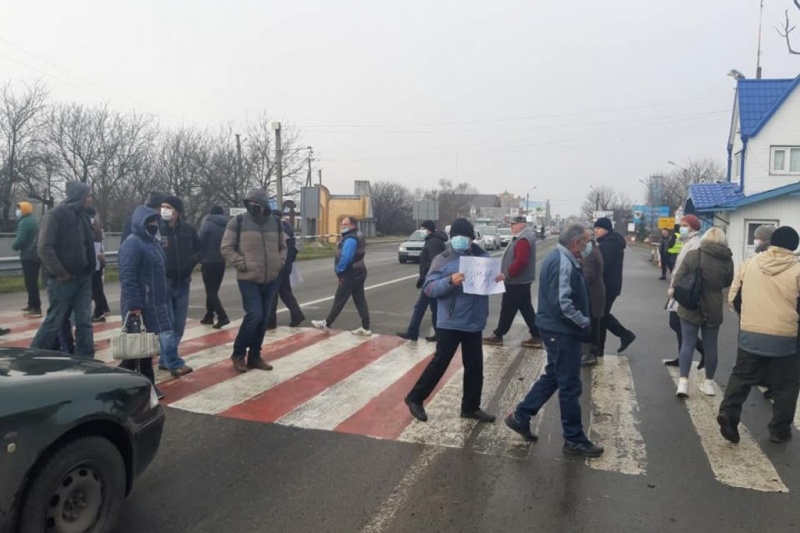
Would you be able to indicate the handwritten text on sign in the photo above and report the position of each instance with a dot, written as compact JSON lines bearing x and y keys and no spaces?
{"x":479,"y":275}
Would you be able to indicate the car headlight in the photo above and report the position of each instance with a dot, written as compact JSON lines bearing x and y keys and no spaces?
{"x":402,"y":248}
{"x":153,"y":397}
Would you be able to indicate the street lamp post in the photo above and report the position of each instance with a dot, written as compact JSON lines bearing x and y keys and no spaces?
{"x":650,"y":186}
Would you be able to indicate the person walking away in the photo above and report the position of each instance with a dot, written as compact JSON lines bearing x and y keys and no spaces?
{"x":284,"y":283}
{"x":519,"y":269}
{"x":25,"y":242}
{"x":612,"y":246}
{"x":592,"y":268}
{"x":143,"y":285}
{"x":762,"y":238}
{"x":713,"y":258}
{"x":769,"y":286}
{"x":667,"y":241}
{"x":154,"y":200}
{"x":213,"y":265}
{"x":674,"y":247}
{"x":351,"y":270}
{"x":101,"y":309}
{"x":434,"y":245}
{"x":66,"y":250}
{"x":564,"y":320}
{"x":182,"y":248}
{"x":461,"y":320}
{"x":255,"y":245}
{"x":689,"y":231}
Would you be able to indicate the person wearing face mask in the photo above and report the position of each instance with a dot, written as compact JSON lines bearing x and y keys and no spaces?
{"x":434,"y":245}
{"x":612,"y":246}
{"x":564,"y":320}
{"x":461,"y":320}
{"x":762,"y":237}
{"x":351,"y":270}
{"x":255,"y":244}
{"x":66,"y":249}
{"x":25,"y":243}
{"x":592,"y":268}
{"x":153,"y":201}
{"x":183,"y":249}
{"x":143,"y":283}
{"x":519,"y":272}
{"x":689,"y":231}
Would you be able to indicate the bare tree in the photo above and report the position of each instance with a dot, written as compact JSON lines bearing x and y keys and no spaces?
{"x":788,"y":28}
{"x":674,"y":188}
{"x":391,"y":203}
{"x":21,"y":118}
{"x":180,"y":167}
{"x":600,"y":198}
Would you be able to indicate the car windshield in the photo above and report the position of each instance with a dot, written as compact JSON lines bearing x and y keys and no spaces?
{"x":416,"y":236}
{"x":504,"y":231}
{"x":486,"y":230}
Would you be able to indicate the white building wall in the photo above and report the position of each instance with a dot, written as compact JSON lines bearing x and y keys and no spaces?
{"x":783,"y":129}
{"x":783,"y":211}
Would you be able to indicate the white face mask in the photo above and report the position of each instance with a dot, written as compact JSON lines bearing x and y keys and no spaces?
{"x":167,"y":213}
{"x":18,"y":213}
{"x":757,"y":242}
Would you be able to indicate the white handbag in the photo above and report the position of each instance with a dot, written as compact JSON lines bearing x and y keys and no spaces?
{"x":134,"y":345}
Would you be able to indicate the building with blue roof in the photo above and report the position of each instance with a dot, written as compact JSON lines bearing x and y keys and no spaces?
{"x":763,"y":184}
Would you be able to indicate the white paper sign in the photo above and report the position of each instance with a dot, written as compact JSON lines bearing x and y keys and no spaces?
{"x":479,"y":275}
{"x":295,"y":276}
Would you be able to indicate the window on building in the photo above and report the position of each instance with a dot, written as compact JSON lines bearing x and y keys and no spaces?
{"x":737,"y":165}
{"x":753,"y":224}
{"x":785,"y":160}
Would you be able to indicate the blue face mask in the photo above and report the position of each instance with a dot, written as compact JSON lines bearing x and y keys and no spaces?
{"x":588,"y":250}
{"x":459,"y":243}
{"x":684,"y":231}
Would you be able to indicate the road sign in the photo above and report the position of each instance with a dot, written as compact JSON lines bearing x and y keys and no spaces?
{"x":602,"y":214}
{"x":237,"y":211}
{"x":666,"y":223}
{"x":425,"y":210}
{"x":648,"y":212}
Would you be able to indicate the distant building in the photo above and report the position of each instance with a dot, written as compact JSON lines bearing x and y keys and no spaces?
{"x":321,"y":212}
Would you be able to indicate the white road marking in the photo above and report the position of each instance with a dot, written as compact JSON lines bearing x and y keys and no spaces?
{"x":615,"y":419}
{"x":332,"y":407}
{"x":741,"y":465}
{"x":445,"y":427}
{"x":225,"y":395}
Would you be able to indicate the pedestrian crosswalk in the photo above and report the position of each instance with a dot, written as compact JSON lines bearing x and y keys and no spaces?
{"x":335,"y":381}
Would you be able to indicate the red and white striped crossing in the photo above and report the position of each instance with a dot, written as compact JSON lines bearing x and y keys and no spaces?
{"x":335,"y":381}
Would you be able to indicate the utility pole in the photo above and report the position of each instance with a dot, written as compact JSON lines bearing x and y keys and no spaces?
{"x":319,"y":173}
{"x":238,"y":159}
{"x":310,"y":158}
{"x":278,"y":165}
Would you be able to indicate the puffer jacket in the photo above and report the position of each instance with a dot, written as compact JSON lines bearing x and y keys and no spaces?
{"x":715,"y":261}
{"x":143,"y":275}
{"x":456,"y":310}
{"x":27,"y":233}
{"x":770,"y":286}
{"x":211,"y":231}
{"x":256,"y":247}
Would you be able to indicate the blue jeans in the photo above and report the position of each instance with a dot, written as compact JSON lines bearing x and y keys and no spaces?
{"x":169,"y":340}
{"x":257,"y":301}
{"x":423,"y":302}
{"x":562,"y":373}
{"x":67,"y":297}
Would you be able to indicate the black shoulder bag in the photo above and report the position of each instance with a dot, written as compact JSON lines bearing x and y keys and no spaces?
{"x":688,"y":291}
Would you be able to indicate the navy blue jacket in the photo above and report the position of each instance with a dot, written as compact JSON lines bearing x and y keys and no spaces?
{"x":456,"y":310}
{"x":142,"y":275}
{"x":563,"y":296}
{"x":210,"y":235}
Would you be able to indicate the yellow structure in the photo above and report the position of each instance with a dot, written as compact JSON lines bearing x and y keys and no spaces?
{"x":334,"y":207}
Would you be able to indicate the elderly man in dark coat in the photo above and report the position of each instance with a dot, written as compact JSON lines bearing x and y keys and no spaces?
{"x":592,"y":268}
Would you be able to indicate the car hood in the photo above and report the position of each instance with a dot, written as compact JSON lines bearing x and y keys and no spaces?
{"x":414,"y":244}
{"x":21,"y":363}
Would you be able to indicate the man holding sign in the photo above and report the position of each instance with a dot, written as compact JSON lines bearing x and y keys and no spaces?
{"x":460,"y":321}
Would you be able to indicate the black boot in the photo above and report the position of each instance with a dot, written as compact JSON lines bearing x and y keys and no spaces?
{"x":208,"y":319}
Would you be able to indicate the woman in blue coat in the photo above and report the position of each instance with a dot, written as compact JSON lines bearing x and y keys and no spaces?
{"x":143,"y":280}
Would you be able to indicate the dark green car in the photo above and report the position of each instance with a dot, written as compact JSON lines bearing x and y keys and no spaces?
{"x":74,"y":435}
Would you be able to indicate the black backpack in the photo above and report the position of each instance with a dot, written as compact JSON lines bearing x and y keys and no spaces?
{"x":688,"y":291}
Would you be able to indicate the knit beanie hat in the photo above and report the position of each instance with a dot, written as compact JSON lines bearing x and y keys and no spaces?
{"x":175,"y":202}
{"x":693,"y":222}
{"x":217,"y":210}
{"x":155,"y":199}
{"x":785,"y":237}
{"x":428,"y":225}
{"x":463,"y":227}
{"x":604,"y":223}
{"x":764,"y":233}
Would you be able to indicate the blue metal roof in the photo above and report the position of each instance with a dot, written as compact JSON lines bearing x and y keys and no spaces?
{"x":793,"y":188}
{"x":711,"y":196}
{"x":759,"y":100}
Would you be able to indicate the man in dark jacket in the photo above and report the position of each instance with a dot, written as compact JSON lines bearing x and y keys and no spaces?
{"x":183,"y":249}
{"x":285,"y":283}
{"x":519,"y":271}
{"x":25,"y":244}
{"x":153,"y":202}
{"x":667,"y":242}
{"x":213,"y":265}
{"x":66,"y":249}
{"x":612,"y":246}
{"x":564,"y":320}
{"x":434,"y":245}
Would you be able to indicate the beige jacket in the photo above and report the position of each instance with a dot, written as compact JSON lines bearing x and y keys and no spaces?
{"x":257,"y":249}
{"x":770,"y":285}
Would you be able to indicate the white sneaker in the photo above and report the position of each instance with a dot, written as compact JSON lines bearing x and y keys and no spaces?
{"x":683,"y":388}
{"x":319,"y":324}
{"x":707,"y":387}
{"x":362,"y":332}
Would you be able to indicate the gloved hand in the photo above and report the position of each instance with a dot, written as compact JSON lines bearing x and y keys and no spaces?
{"x":420,"y":282}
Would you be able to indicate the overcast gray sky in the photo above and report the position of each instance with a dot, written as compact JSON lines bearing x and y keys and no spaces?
{"x":506,"y":95}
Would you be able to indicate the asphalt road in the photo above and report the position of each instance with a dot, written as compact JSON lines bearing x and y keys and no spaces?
{"x":664,"y":470}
